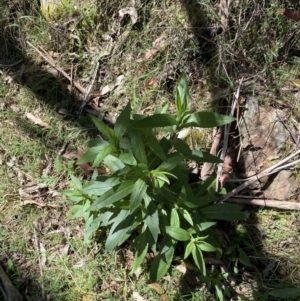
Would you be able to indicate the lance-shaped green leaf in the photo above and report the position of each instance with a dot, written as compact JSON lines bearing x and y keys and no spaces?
{"x":225,"y":212}
{"x":195,"y":155}
{"x":93,"y":152}
{"x":120,"y":231}
{"x":162,"y":261}
{"x":138,"y":147}
{"x":123,"y":121}
{"x":160,"y":176}
{"x":79,"y":211}
{"x":157,"y":120}
{"x":219,"y":291}
{"x":205,"y":225}
{"x":182,"y":96}
{"x":106,"y":218}
{"x":141,"y":247}
{"x":113,"y":163}
{"x":201,"y":201}
{"x":155,"y":146}
{"x":103,"y":128}
{"x":286,"y":293}
{"x":175,"y":221}
{"x":76,"y":182}
{"x":90,"y":227}
{"x":205,"y":246}
{"x":204,"y":186}
{"x":152,"y":220}
{"x":199,"y":260}
{"x":243,"y":258}
{"x":100,"y":187}
{"x":73,"y":195}
{"x":103,"y":154}
{"x":208,"y":120}
{"x":115,"y":194}
{"x":139,"y":191}
{"x":201,"y":156}
{"x":178,"y":233}
{"x":186,"y":215}
{"x":170,"y":163}
{"x":189,"y":249}
{"x":128,"y":158}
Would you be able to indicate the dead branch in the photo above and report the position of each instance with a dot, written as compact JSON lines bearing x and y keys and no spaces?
{"x":58,"y":68}
{"x":266,"y":203}
{"x":275,"y":168}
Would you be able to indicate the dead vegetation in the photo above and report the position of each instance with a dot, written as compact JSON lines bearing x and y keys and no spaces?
{"x":51,"y":82}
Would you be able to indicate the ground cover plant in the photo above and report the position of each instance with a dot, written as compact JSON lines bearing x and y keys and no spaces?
{"x":124,"y":62}
{"x":147,"y":191}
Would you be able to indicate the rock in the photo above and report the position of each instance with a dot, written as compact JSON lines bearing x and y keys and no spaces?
{"x":262,"y":135}
{"x":282,"y":187}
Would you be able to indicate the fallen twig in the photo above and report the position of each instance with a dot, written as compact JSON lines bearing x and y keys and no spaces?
{"x":4,"y":66}
{"x":275,"y":168}
{"x":265,"y":203}
{"x":59,"y":69}
{"x":37,"y":246}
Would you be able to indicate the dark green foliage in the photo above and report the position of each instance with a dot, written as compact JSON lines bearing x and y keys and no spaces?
{"x":147,"y":192}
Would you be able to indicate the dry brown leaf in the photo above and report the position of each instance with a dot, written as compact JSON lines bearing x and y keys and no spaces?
{"x":164,"y":297}
{"x":37,"y":121}
{"x":156,"y":287}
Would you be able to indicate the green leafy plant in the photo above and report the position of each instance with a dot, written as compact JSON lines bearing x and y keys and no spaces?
{"x":147,"y":199}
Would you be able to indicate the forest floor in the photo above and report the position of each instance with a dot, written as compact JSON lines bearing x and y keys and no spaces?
{"x":138,"y":50}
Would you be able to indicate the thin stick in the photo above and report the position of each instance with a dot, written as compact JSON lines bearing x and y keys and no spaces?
{"x":36,"y":243}
{"x":255,"y":178}
{"x":226,"y":133}
{"x":92,"y":82}
{"x":59,"y":69}
{"x":266,"y":203}
{"x":83,"y":104}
